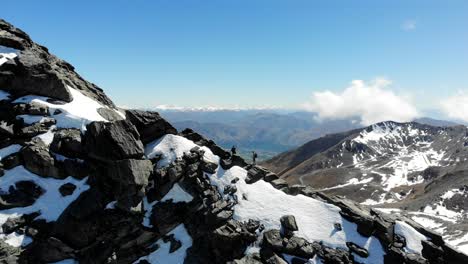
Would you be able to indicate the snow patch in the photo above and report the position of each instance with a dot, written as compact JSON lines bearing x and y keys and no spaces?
{"x":5,"y":152}
{"x":16,"y":240}
{"x":413,"y":237}
{"x":48,"y":136}
{"x":177,"y":195}
{"x":81,"y":111}
{"x":172,"y":147}
{"x":4,"y":95}
{"x":51,"y":203}
{"x":7,"y":54}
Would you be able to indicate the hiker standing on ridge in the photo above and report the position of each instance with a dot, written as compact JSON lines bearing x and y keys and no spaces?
{"x":233,"y":151}
{"x":254,"y":157}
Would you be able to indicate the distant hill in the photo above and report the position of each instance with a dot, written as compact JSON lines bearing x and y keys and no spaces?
{"x":265,"y":131}
{"x":416,"y":167}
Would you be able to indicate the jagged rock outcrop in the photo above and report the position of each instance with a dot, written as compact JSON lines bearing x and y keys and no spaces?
{"x":150,"y":125}
{"x":36,"y":71}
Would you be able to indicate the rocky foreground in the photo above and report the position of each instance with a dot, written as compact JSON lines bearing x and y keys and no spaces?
{"x":85,"y":182}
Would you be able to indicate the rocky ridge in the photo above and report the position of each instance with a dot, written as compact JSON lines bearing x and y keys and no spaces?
{"x":103,"y":185}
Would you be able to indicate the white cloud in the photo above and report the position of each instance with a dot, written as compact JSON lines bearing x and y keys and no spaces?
{"x":371,"y":102}
{"x":409,"y":25}
{"x":456,"y":107}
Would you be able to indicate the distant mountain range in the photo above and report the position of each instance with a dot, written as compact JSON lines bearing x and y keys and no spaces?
{"x":266,"y":131}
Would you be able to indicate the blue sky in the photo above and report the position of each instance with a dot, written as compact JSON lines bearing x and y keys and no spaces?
{"x":251,"y":52}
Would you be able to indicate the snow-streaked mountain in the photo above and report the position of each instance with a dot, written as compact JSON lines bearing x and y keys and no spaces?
{"x":410,"y":166}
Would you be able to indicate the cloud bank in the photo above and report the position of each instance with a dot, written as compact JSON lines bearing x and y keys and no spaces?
{"x":456,"y":107}
{"x":370,"y":102}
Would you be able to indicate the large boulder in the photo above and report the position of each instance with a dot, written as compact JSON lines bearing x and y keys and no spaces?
{"x":295,"y":246}
{"x":231,"y":239}
{"x":130,"y":177}
{"x":107,"y":141}
{"x":31,"y":109}
{"x":255,"y":174}
{"x":37,"y":159}
{"x":288,"y":224}
{"x":30,"y":130}
{"x":67,"y":142}
{"x":149,"y":124}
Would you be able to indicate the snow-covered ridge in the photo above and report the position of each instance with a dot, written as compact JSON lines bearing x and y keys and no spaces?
{"x":262,"y":202}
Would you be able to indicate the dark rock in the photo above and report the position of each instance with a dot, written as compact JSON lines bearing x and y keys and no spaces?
{"x":399,"y":241}
{"x":22,"y":194}
{"x":249,"y":259}
{"x":338,"y":256}
{"x":113,"y":141}
{"x":383,"y":226}
{"x":231,"y":240}
{"x":355,"y":213}
{"x":12,"y":224}
{"x":354,"y":248}
{"x":165,"y":216}
{"x":130,"y":177}
{"x":234,"y":160}
{"x":29,"y":131}
{"x":270,"y":257}
{"x":201,"y":141}
{"x":296,"y":189}
{"x":13,"y":37}
{"x":174,"y":243}
{"x":11,"y":161}
{"x":279,"y":183}
{"x":38,"y":160}
{"x":255,"y":174}
{"x":50,"y":250}
{"x":209,"y":167}
{"x":272,"y":239}
{"x":35,"y":71}
{"x":230,"y":189}
{"x":298,"y":246}
{"x":452,"y":255}
{"x":149,"y":124}
{"x":288,"y":223}
{"x":295,"y":246}
{"x":67,"y":142}
{"x":78,"y":224}
{"x":338,"y":226}
{"x":31,"y":109}
{"x":67,"y":189}
{"x":270,"y":177}
{"x":74,"y":167}
{"x":165,"y":178}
